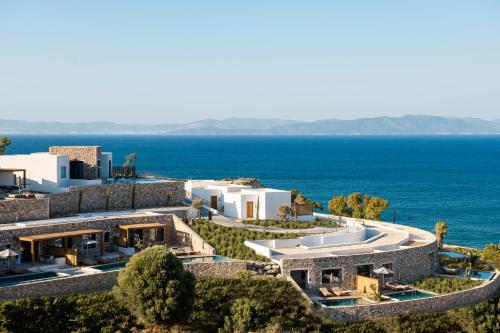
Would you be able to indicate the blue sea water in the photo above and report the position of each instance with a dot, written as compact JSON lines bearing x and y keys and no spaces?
{"x":453,"y":178}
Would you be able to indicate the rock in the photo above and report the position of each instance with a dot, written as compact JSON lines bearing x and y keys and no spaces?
{"x":268,"y":267}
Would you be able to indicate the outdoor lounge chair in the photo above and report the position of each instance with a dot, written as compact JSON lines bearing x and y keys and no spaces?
{"x":451,"y":270}
{"x":324,"y":292}
{"x":395,"y":286}
{"x":339,"y":292}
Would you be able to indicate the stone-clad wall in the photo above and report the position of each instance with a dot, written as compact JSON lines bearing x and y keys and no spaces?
{"x":89,"y":155}
{"x":433,"y":304}
{"x":216,"y":269}
{"x":409,"y":264}
{"x":88,"y":283}
{"x":92,"y":198}
{"x":23,"y":210}
{"x":184,"y":234}
{"x":79,"y":284}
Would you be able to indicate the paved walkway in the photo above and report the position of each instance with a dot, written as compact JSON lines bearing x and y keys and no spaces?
{"x":234,"y":223}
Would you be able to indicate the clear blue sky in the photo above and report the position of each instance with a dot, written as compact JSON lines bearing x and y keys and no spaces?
{"x":150,"y":62}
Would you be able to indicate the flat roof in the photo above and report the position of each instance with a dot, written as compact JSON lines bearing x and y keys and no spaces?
{"x":143,"y":226}
{"x":59,"y":235}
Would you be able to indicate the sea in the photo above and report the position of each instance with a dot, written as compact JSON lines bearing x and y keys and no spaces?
{"x":425,"y":178}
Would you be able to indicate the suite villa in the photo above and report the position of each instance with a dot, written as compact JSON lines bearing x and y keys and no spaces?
{"x":81,"y":232}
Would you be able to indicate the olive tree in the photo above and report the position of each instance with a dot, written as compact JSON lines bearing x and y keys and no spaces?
{"x":197,"y":204}
{"x":155,"y":287}
{"x":441,"y":230}
{"x":283,"y":212}
{"x":4,"y":143}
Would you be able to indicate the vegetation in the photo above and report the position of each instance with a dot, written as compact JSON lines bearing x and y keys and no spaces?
{"x":441,"y":230}
{"x":4,"y":143}
{"x":446,"y":285}
{"x":291,"y":225}
{"x":233,"y":305}
{"x":155,"y":287}
{"x":197,"y":203}
{"x":300,"y":198}
{"x":284,"y":212}
{"x":358,"y":206}
{"x":491,"y":253}
{"x":228,"y":241}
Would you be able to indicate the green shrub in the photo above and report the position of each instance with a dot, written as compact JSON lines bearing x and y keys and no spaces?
{"x":291,"y":224}
{"x":228,"y":241}
{"x":156,"y":288}
{"x":446,"y":285}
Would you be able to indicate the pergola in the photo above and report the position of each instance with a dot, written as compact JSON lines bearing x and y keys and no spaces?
{"x":12,"y":170}
{"x":129,"y":227}
{"x":65,"y":235}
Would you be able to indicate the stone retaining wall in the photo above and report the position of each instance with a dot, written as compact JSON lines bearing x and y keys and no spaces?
{"x":433,"y":304}
{"x":19,"y":210}
{"x":92,"y":198}
{"x":216,"y":269}
{"x":184,"y":234}
{"x":79,"y":284}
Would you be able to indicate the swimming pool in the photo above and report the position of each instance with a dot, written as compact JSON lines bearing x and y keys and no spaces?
{"x":481,"y":275}
{"x":17,"y":279}
{"x":409,"y":295}
{"x":196,"y":260}
{"x":136,"y":180}
{"x":453,"y":254}
{"x":115,"y":266}
{"x":342,"y":302}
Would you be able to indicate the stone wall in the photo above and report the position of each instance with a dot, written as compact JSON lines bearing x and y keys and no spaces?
{"x":19,"y":210}
{"x":92,"y":198}
{"x":79,"y":284}
{"x":433,"y":304}
{"x":216,"y":269}
{"x":409,"y":264}
{"x":89,"y":155}
{"x":187,"y":236}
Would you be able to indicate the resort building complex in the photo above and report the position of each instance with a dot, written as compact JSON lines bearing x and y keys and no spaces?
{"x":68,"y":226}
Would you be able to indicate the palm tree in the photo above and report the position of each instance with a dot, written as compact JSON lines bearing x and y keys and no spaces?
{"x":197,"y":204}
{"x":441,"y":230}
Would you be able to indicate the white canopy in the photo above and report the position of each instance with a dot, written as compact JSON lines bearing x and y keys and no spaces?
{"x":8,"y":253}
{"x":383,"y":270}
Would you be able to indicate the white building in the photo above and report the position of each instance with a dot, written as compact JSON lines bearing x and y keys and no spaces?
{"x":239,"y":201}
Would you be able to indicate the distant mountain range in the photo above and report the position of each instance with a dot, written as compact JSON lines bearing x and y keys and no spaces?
{"x":406,"y":125}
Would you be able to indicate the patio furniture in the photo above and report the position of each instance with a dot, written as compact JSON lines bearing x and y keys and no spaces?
{"x":324,"y":292}
{"x":395,"y":286}
{"x":339,"y":292}
{"x":451,"y":270}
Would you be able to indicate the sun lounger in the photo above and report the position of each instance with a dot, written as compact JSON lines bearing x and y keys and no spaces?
{"x":450,"y":270}
{"x":324,"y":292}
{"x":339,"y":292}
{"x":396,"y":286}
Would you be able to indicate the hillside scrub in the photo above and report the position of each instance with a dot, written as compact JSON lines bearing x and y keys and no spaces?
{"x":446,"y":285}
{"x":228,"y":241}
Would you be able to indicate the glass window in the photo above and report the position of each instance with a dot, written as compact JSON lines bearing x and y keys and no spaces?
{"x":63,"y":172}
{"x":331,"y":275}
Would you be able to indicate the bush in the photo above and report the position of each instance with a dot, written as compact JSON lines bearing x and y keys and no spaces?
{"x":446,"y":285}
{"x":228,"y":241}
{"x":155,"y":287}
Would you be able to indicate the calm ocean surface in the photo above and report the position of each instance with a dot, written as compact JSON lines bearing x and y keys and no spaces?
{"x":456,"y":179}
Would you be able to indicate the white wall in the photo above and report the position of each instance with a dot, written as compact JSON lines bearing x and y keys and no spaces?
{"x":269,"y":201}
{"x":43,"y":171}
{"x":106,"y":172}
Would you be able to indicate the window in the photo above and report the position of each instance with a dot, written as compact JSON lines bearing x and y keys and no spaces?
{"x":63,"y":172}
{"x":159,"y":234}
{"x":110,"y":170}
{"x":331,"y":275}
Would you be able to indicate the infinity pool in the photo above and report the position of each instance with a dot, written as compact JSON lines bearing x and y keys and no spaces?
{"x":195,"y":260}
{"x":115,"y":266}
{"x":453,"y":254}
{"x":409,"y":295}
{"x":481,"y":275}
{"x":17,"y":279}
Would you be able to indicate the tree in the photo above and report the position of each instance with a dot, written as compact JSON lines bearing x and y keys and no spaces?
{"x":4,"y":143}
{"x":491,"y":253}
{"x":338,"y":206}
{"x":298,"y":197}
{"x":284,"y":211}
{"x":155,"y":287}
{"x":246,"y":315}
{"x":197,"y":204}
{"x":441,"y":232}
{"x":374,"y":207}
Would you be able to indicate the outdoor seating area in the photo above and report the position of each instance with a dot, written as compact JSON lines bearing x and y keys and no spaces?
{"x":183,"y":251}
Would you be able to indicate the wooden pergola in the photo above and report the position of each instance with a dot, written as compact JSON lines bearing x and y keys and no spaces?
{"x":129,"y":227}
{"x":64,"y":235}
{"x":12,"y":170}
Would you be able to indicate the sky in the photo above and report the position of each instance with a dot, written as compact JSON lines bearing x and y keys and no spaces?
{"x":171,"y":62}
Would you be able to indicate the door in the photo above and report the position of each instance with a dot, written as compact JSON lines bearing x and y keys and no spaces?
{"x":249,"y":209}
{"x":213,"y":202}
{"x":300,"y":277}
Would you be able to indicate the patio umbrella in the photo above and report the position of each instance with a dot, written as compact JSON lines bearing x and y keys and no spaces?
{"x":384,"y":271}
{"x":7,"y":254}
